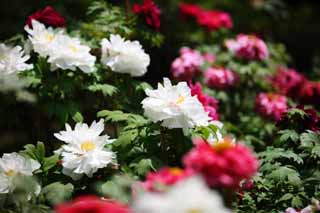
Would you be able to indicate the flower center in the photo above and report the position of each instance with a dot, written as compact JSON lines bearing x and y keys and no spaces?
{"x":87,"y":146}
{"x":49,"y":37}
{"x":194,"y":211}
{"x":9,"y":173}
{"x":175,"y":171}
{"x":222,"y":145}
{"x":180,"y":100}
{"x":73,"y":48}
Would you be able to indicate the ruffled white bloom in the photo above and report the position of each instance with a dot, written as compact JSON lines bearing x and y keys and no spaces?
{"x":13,"y":164}
{"x":64,"y":52}
{"x":191,"y":195}
{"x":174,"y":106}
{"x":124,"y":56}
{"x":84,"y":152}
{"x":13,"y":60}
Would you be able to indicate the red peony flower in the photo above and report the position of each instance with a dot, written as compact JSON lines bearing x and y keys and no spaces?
{"x":91,"y":204}
{"x":189,"y":10}
{"x":187,"y":66}
{"x":287,"y":81}
{"x":214,"y":20}
{"x":47,"y":16}
{"x":150,"y":11}
{"x":271,"y":105}
{"x":249,"y":47}
{"x":220,"y":78}
{"x":222,"y":164}
{"x":310,"y":92}
{"x":164,"y":177}
{"x":209,"y":103}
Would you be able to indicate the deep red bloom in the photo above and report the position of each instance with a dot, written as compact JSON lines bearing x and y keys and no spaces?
{"x":312,"y":121}
{"x":288,"y":81}
{"x":310,"y":92}
{"x":271,"y":105}
{"x":164,"y":177}
{"x":222,"y":164}
{"x":214,"y":20}
{"x":220,"y":78}
{"x":189,"y":10}
{"x":92,"y":204}
{"x":47,"y":16}
{"x":209,"y":103}
{"x":150,"y":11}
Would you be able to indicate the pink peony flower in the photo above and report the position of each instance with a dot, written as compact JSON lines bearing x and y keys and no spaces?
{"x":287,"y":81}
{"x":220,"y":78}
{"x":187,"y":66}
{"x":271,"y":105}
{"x":208,"y":57}
{"x":209,"y":103}
{"x":214,"y":20}
{"x":223,"y":164}
{"x":249,"y":47}
{"x":47,"y":16}
{"x":91,"y":204}
{"x":165,"y":177}
{"x":150,"y":11}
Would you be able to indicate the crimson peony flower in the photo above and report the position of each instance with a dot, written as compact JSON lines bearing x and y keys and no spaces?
{"x":189,"y":10}
{"x":220,"y":78}
{"x":223,"y":163}
{"x":187,"y":66}
{"x":164,"y":177}
{"x":150,"y":11}
{"x":209,"y":103}
{"x":91,"y":204}
{"x":214,"y":20}
{"x":47,"y":16}
{"x":271,"y":105}
{"x":249,"y":47}
{"x":287,"y":81}
{"x":310,"y":92}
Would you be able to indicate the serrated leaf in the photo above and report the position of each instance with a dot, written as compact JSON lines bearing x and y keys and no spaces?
{"x":289,"y":134}
{"x":57,"y":192}
{"x":106,"y":89}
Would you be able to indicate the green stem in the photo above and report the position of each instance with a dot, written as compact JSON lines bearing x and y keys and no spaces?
{"x":163,"y":145}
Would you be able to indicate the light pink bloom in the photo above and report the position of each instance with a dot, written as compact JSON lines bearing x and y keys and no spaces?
{"x":271,"y":105}
{"x":220,"y":78}
{"x":249,"y":47}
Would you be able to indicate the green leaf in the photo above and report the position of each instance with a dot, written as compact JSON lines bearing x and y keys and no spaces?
{"x":309,"y":139}
{"x":285,"y":197}
{"x":57,"y":192}
{"x":50,"y":162}
{"x":106,"y":89}
{"x":316,"y":151}
{"x":289,"y":134}
{"x":77,"y":117}
{"x":35,"y":152}
{"x":283,"y":174}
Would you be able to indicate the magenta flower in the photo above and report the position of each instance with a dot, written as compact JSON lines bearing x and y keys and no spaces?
{"x":223,"y":164}
{"x":271,"y":105}
{"x":249,"y":47}
{"x":150,"y":12}
{"x":214,"y":20}
{"x":220,"y":78}
{"x":187,"y":66}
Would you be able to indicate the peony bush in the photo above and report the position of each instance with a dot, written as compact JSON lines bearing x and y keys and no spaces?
{"x":229,"y":128}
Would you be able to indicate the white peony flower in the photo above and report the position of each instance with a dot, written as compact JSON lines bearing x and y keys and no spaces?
{"x":124,"y":56}
{"x":63,"y":51}
{"x":69,"y":53}
{"x":190,"y":196}
{"x":174,"y":106}
{"x":42,"y":38}
{"x":14,"y":164}
{"x":84,"y":152}
{"x":12,"y":60}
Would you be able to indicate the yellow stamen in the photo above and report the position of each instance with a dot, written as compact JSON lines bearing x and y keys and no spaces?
{"x":194,"y":211}
{"x":175,"y":171}
{"x":181,"y":99}
{"x":222,"y":145}
{"x":73,"y":48}
{"x":9,"y":173}
{"x":87,"y":146}
{"x":49,"y":37}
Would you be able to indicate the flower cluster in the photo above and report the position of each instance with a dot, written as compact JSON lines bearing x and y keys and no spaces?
{"x":209,"y":103}
{"x":84,"y":152}
{"x":150,"y":11}
{"x":223,"y":163}
{"x":124,"y":56}
{"x":249,"y":47}
{"x":174,"y":106}
{"x":220,"y":78}
{"x":271,"y":105}
{"x":92,"y":204}
{"x":63,"y":51}
{"x":210,"y":19}
{"x":12,"y":165}
{"x":48,"y":16}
